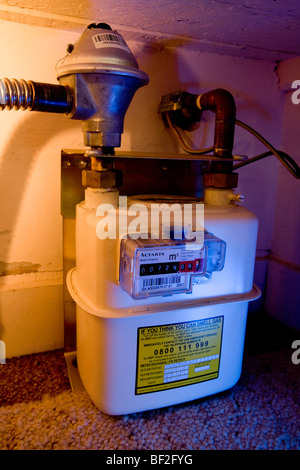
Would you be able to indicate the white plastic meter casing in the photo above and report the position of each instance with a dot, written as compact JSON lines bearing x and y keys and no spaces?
{"x":145,"y":341}
{"x":101,"y":283}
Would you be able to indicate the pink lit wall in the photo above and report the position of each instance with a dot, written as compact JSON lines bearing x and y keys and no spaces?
{"x":283,"y":280}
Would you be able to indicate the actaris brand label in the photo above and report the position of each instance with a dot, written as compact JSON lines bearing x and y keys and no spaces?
{"x":151,"y":254}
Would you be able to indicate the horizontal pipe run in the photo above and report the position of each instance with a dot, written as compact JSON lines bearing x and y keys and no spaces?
{"x":34,"y":96}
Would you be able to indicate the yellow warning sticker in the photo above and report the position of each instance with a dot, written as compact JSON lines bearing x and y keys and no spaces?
{"x":178,"y":354}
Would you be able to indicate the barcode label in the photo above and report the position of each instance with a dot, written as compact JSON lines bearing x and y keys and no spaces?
{"x":159,"y":283}
{"x":109,"y":40}
{"x":161,"y":280}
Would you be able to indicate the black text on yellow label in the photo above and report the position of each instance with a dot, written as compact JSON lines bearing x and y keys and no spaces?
{"x":178,"y":354}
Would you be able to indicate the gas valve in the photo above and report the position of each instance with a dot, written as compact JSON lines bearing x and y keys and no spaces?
{"x":97,"y":81}
{"x":103,"y":76}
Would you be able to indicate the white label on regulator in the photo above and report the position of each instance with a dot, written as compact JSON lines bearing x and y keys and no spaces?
{"x":109,"y":39}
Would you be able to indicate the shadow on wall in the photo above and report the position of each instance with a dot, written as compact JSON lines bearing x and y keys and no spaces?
{"x":142,"y":121}
{"x":17,"y":162}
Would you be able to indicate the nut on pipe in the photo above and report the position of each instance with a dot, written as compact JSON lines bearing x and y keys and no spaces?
{"x":107,"y":179}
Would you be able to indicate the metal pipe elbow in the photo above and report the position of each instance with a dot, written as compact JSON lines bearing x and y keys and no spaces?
{"x":222,"y":103}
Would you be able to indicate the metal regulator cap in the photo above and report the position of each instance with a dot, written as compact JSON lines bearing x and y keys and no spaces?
{"x":100,"y":50}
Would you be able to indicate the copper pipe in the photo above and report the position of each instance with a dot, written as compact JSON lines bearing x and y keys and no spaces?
{"x":222,"y":103}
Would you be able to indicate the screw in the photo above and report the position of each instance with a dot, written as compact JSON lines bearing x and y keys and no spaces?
{"x":70,"y":48}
